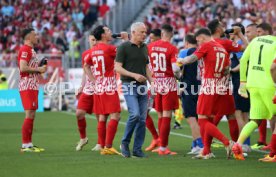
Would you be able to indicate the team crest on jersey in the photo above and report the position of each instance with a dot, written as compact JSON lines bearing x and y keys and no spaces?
{"x":24,"y":55}
{"x":86,"y":57}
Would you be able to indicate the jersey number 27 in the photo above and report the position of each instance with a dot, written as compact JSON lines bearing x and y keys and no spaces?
{"x":98,"y":60}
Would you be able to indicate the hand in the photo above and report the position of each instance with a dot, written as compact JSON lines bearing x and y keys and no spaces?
{"x":140,"y":78}
{"x":242,"y":90}
{"x":124,"y":35}
{"x":237,"y":30}
{"x":78,"y":93}
{"x":42,"y":69}
{"x":226,"y":71}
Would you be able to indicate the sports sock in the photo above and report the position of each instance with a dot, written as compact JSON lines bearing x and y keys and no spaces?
{"x":82,"y":127}
{"x":247,"y":141}
{"x":202,"y":123}
{"x":262,"y":132}
{"x":159,"y":124}
{"x":151,"y":127}
{"x":102,"y":132}
{"x":110,"y":133}
{"x":193,"y":144}
{"x":246,"y":131}
{"x":234,"y":129}
{"x":217,"y":119}
{"x":27,"y":129}
{"x":212,"y":131}
{"x":273,"y":146}
{"x":165,"y":131}
{"x":199,"y":142}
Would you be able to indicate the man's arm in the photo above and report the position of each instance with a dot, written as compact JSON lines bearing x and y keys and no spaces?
{"x":88,"y":72}
{"x":187,"y":60}
{"x":236,"y":69}
{"x":149,"y":74}
{"x":238,"y":32}
{"x":119,"y":69}
{"x":25,"y":68}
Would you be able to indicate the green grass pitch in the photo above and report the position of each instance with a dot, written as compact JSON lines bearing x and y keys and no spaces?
{"x":57,"y":133}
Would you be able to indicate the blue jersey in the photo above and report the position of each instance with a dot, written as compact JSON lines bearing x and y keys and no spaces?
{"x":191,"y":74}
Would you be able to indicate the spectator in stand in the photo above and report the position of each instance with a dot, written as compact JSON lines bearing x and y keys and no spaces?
{"x":7,"y":9}
{"x":78,"y":17}
{"x":104,"y":8}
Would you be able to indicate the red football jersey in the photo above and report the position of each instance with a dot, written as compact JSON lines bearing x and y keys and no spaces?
{"x":88,"y":88}
{"x":102,"y":57}
{"x":28,"y":81}
{"x":230,"y":46}
{"x":215,"y":59}
{"x":162,"y":54}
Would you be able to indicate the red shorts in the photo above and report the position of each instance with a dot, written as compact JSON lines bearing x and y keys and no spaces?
{"x":106,"y":103}
{"x":166,"y":102}
{"x":86,"y":103}
{"x":29,"y":99}
{"x":215,"y":105}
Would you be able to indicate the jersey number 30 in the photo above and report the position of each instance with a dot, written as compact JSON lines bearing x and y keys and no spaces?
{"x":159,"y":62}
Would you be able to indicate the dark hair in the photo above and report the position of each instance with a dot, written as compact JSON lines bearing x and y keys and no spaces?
{"x":26,"y":31}
{"x":213,"y":25}
{"x":239,"y":25}
{"x":190,"y":38}
{"x":167,"y":28}
{"x":204,"y":31}
{"x":251,"y":25}
{"x":156,"y":32}
{"x":98,"y":31}
{"x":266,"y":27}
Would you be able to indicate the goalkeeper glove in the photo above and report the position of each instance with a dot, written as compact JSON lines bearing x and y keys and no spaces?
{"x":242,"y":90}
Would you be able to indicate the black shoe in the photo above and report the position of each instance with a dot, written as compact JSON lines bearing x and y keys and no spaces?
{"x":177,"y":126}
{"x":125,"y":150}
{"x":139,"y":154}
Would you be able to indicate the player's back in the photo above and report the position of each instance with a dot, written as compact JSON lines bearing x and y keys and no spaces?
{"x":162,"y":54}
{"x":103,"y":58}
{"x":262,"y":52}
{"x":215,"y":59}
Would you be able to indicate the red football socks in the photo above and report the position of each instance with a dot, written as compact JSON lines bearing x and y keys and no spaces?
{"x":111,"y":131}
{"x":82,"y":127}
{"x":217,"y":119}
{"x":165,"y":131}
{"x":27,"y":129}
{"x":212,"y":130}
{"x":102,"y":132}
{"x":159,"y":124}
{"x":151,"y":127}
{"x":273,"y":146}
{"x":262,"y":132}
{"x":234,"y":129}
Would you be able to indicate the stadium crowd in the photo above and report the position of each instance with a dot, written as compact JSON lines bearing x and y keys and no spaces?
{"x":58,"y":22}
{"x":242,"y":59}
{"x":190,"y":15}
